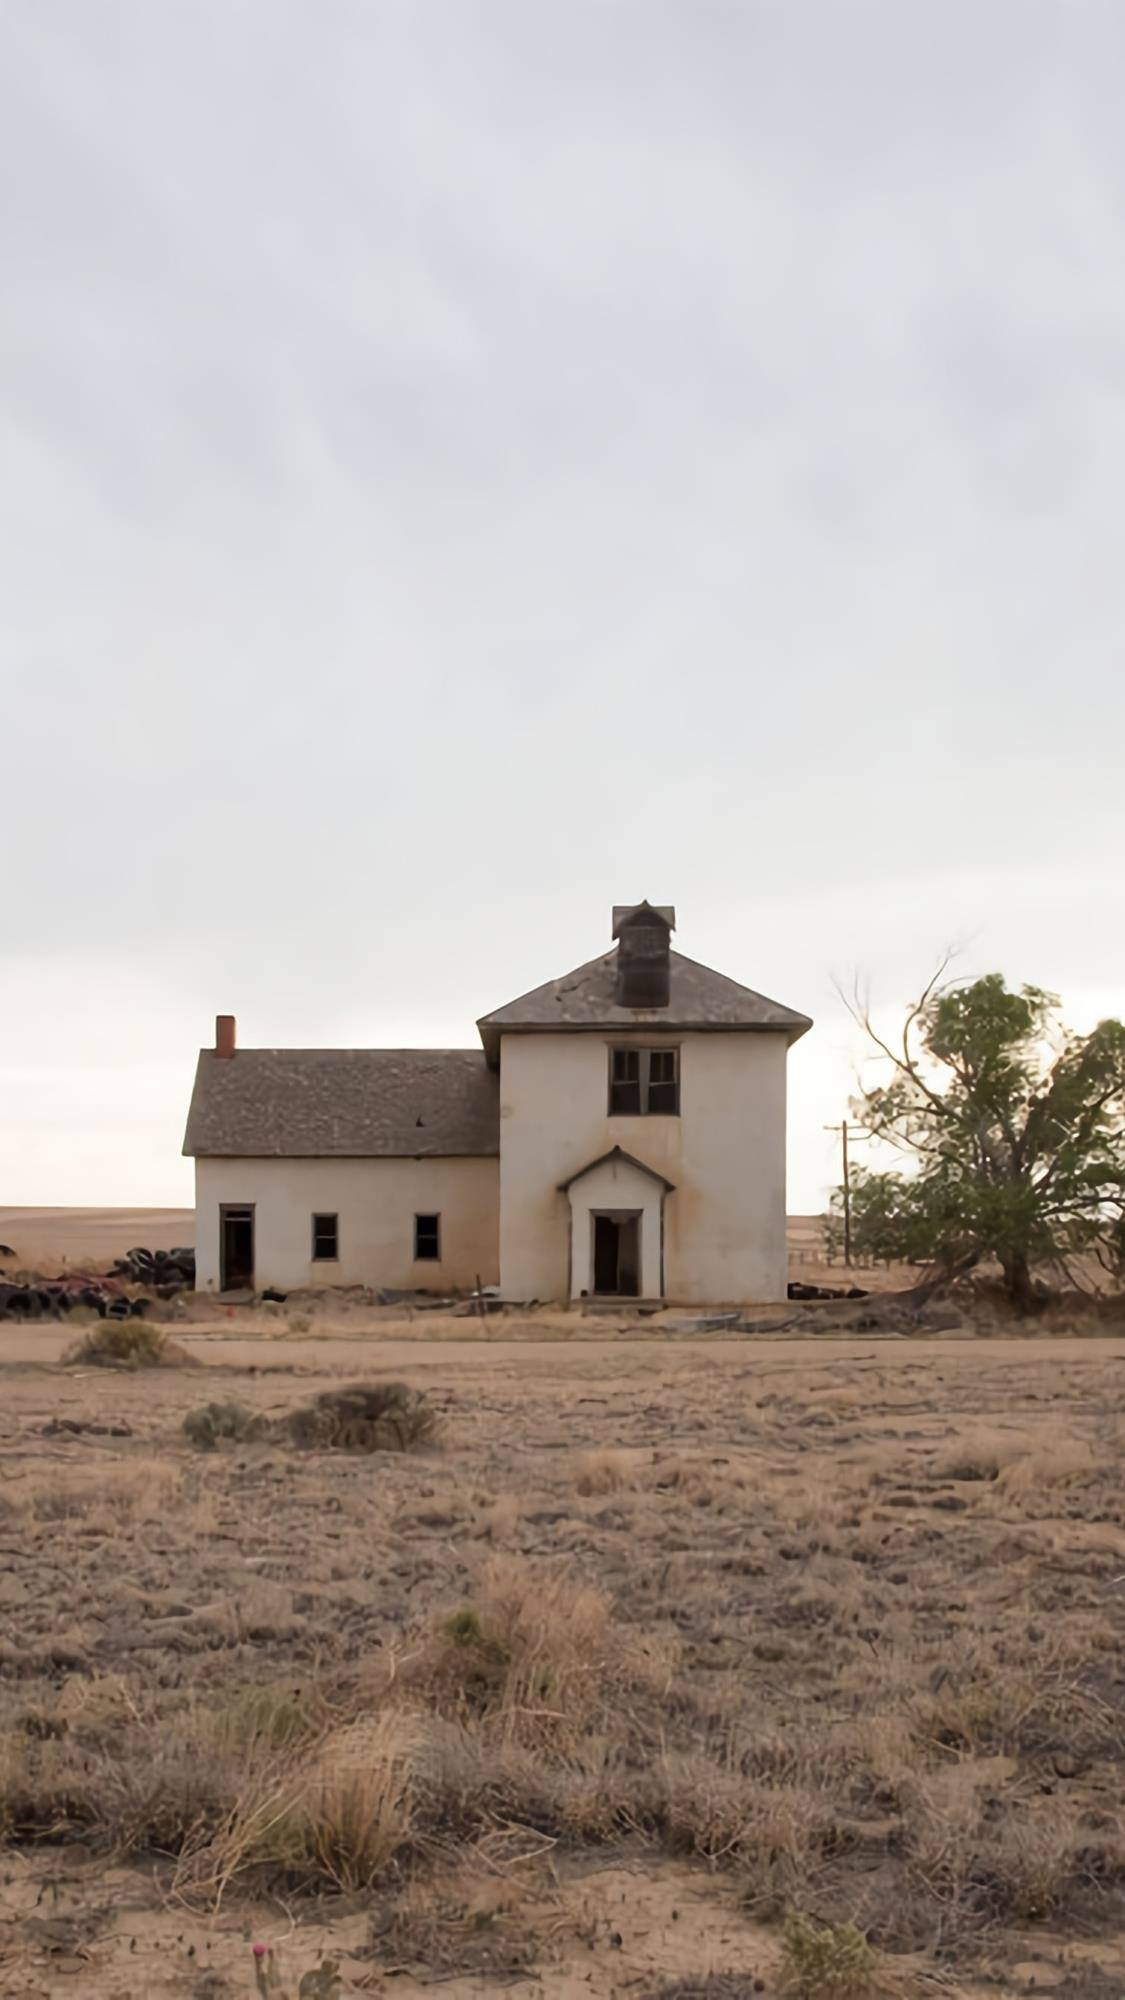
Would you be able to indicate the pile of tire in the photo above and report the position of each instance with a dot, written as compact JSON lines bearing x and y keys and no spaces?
{"x":53,"y":1299}
{"x":165,"y":1271}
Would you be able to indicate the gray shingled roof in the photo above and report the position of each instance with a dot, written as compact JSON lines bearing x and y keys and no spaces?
{"x":354,"y":1103}
{"x":586,"y":998}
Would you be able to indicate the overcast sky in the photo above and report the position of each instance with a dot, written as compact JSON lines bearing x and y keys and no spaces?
{"x":466,"y":463}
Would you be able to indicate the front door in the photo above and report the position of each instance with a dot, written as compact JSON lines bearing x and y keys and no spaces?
{"x":617,"y":1253}
{"x":236,"y":1249}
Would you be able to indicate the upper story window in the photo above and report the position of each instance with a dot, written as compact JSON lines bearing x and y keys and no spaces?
{"x":643,"y":1082}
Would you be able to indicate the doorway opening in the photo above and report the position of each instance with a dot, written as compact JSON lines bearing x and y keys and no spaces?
{"x":236,"y":1248}
{"x":617,"y":1252}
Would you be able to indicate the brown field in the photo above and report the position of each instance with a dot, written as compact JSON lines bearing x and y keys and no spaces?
{"x":652,"y":1645}
{"x":45,"y":1238}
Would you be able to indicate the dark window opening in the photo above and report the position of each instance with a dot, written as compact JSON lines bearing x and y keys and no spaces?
{"x":624,"y":1082}
{"x":236,"y":1248}
{"x":427,"y":1239}
{"x":326,"y":1238}
{"x":644,"y":1082}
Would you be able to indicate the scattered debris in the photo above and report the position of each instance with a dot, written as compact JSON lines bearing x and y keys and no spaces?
{"x":717,"y":1322}
{"x":81,"y":1427}
{"x":799,"y":1291}
{"x":484,"y":1299}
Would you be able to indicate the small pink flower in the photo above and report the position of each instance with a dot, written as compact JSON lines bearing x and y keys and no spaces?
{"x":260,"y":1950}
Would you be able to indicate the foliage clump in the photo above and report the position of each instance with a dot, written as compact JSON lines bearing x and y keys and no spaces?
{"x":827,"y":1961}
{"x":1013,"y":1126}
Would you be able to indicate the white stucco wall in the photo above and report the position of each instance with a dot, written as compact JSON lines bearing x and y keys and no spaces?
{"x":376,"y":1201}
{"x":724,"y":1227}
{"x":616,"y":1184}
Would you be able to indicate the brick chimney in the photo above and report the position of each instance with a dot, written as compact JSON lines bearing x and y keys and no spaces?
{"x":225,"y":1035}
{"x":644,"y":935}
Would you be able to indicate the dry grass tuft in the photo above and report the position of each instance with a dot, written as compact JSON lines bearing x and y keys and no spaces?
{"x":127,"y":1343}
{"x":600,"y":1473}
{"x":1062,"y":1465}
{"x":336,"y":1815}
{"x":534,"y":1655}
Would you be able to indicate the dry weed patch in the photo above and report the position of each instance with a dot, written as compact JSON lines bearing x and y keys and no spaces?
{"x":534,"y":1656}
{"x":127,"y":1343}
{"x":866,"y":1668}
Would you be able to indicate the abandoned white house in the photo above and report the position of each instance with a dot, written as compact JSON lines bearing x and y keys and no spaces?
{"x":621,"y":1131}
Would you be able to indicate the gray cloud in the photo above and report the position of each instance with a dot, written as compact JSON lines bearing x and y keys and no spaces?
{"x":464,"y":466}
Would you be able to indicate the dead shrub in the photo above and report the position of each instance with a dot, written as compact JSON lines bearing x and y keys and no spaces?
{"x":127,"y":1343}
{"x":978,"y":1455}
{"x":380,"y":1416}
{"x":215,"y":1422}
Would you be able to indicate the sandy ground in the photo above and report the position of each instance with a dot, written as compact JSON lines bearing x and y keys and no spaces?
{"x":884,"y":1575}
{"x":392,"y":1348}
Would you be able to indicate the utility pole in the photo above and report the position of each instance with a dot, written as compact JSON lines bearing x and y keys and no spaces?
{"x":846,"y":1131}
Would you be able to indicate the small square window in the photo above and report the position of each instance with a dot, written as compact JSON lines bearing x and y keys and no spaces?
{"x":644,"y":1082}
{"x":326,"y":1238}
{"x":427,"y":1239}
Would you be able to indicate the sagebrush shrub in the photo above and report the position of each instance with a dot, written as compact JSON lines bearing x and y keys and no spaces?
{"x":126,"y":1343}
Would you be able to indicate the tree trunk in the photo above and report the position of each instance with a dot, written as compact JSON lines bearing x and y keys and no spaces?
{"x":1017,"y":1282}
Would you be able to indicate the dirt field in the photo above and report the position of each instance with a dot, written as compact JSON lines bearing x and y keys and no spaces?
{"x":653,"y":1644}
{"x":47,"y":1238}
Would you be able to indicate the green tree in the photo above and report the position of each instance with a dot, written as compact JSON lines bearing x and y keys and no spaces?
{"x":1014,"y":1127}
